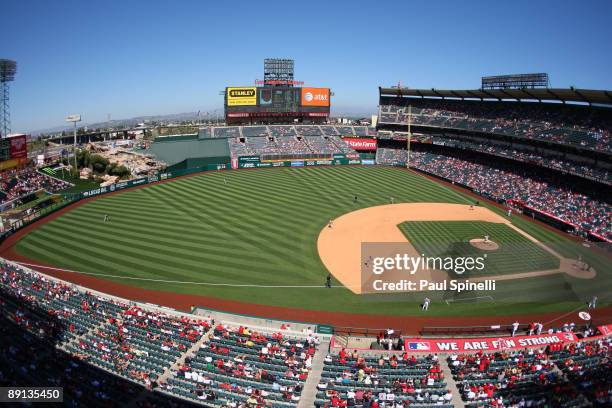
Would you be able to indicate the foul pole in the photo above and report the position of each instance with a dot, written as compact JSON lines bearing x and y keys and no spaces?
{"x":409,"y":135}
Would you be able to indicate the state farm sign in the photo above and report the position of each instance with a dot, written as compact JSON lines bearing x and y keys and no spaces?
{"x":359,"y":143}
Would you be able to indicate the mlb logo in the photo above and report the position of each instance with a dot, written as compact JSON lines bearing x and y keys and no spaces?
{"x":569,"y":336}
{"x":418,"y":346}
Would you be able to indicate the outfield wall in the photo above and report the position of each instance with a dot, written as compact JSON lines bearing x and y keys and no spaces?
{"x":246,"y":162}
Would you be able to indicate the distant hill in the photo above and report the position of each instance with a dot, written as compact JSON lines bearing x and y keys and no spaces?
{"x":342,"y":111}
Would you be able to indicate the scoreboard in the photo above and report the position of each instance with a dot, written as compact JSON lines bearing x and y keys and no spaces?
{"x":275,"y":103}
{"x":272,"y":99}
{"x":276,"y":99}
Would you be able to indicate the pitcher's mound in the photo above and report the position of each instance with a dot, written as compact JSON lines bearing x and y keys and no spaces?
{"x":480,"y":243}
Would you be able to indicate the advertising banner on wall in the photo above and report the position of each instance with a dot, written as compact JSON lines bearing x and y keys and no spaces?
{"x":315,"y":97}
{"x":486,"y":343}
{"x":606,"y":329}
{"x":242,"y":96}
{"x":19,"y":147}
{"x":254,"y":162}
{"x":359,"y":143}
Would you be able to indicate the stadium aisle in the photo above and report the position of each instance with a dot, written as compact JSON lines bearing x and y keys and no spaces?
{"x":451,"y":384}
{"x":309,"y":394}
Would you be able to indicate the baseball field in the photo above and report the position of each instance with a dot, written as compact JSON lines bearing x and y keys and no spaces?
{"x":251,"y":236}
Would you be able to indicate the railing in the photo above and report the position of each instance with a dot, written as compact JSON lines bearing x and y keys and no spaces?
{"x":454,"y":330}
{"x":363,"y":332}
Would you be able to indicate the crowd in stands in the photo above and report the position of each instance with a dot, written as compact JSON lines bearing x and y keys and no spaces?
{"x":588,"y":366}
{"x":309,"y":130}
{"x":38,"y":316}
{"x":140,"y":344}
{"x":104,"y":351}
{"x":16,"y":184}
{"x":87,"y":329}
{"x":586,"y":127}
{"x":29,"y":357}
{"x":508,"y":185}
{"x":576,"y":374}
{"x":324,"y":145}
{"x":511,"y":378}
{"x":87,"y":333}
{"x":293,"y":145}
{"x":284,"y":130}
{"x":522,"y":154}
{"x":279,"y":147}
{"x":361,"y":130}
{"x":391,"y":157}
{"x":388,"y":380}
{"x":246,"y":367}
{"x":329,"y":130}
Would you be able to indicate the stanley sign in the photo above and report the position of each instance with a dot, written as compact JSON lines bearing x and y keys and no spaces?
{"x":243,"y":96}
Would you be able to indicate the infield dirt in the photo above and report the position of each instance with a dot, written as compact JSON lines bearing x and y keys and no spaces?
{"x":340,"y":245}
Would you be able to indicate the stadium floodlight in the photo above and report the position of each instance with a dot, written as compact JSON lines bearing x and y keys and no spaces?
{"x":74,"y":119}
{"x":8,"y":69}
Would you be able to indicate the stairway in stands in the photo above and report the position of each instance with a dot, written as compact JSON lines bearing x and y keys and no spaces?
{"x":309,"y":394}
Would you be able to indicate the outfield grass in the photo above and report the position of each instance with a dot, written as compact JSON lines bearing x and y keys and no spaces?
{"x":516,"y":253}
{"x":259,"y":227}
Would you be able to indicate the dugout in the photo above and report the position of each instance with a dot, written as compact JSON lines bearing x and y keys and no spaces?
{"x":191,"y":152}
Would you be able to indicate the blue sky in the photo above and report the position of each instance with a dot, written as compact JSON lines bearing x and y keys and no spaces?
{"x":131,"y":58}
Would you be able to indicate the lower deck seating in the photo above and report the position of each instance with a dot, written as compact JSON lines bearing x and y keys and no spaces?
{"x":242,"y":365}
{"x":349,"y":379}
{"x":517,"y":378}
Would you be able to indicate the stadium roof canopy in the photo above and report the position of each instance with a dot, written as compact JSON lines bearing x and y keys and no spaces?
{"x":572,"y":95}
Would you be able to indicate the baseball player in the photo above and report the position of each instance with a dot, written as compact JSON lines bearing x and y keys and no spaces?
{"x":539,"y":327}
{"x":515,"y":327}
{"x":425,"y":306}
{"x":593,"y":302}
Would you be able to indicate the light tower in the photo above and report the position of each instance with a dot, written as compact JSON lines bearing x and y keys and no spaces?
{"x":8,"y":68}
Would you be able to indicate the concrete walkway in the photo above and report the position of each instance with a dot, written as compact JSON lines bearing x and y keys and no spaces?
{"x":309,"y":394}
{"x":450,"y":383}
{"x":189,"y":353}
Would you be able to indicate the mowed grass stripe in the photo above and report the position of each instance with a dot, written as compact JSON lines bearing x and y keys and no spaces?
{"x":197,"y":240}
{"x":232,"y":228}
{"x":171,"y":268}
{"x":451,"y":238}
{"x":170,"y":249}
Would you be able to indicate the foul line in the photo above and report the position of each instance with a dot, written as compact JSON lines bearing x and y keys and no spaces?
{"x":237,"y":285}
{"x":564,"y":315}
{"x":472,"y":298}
